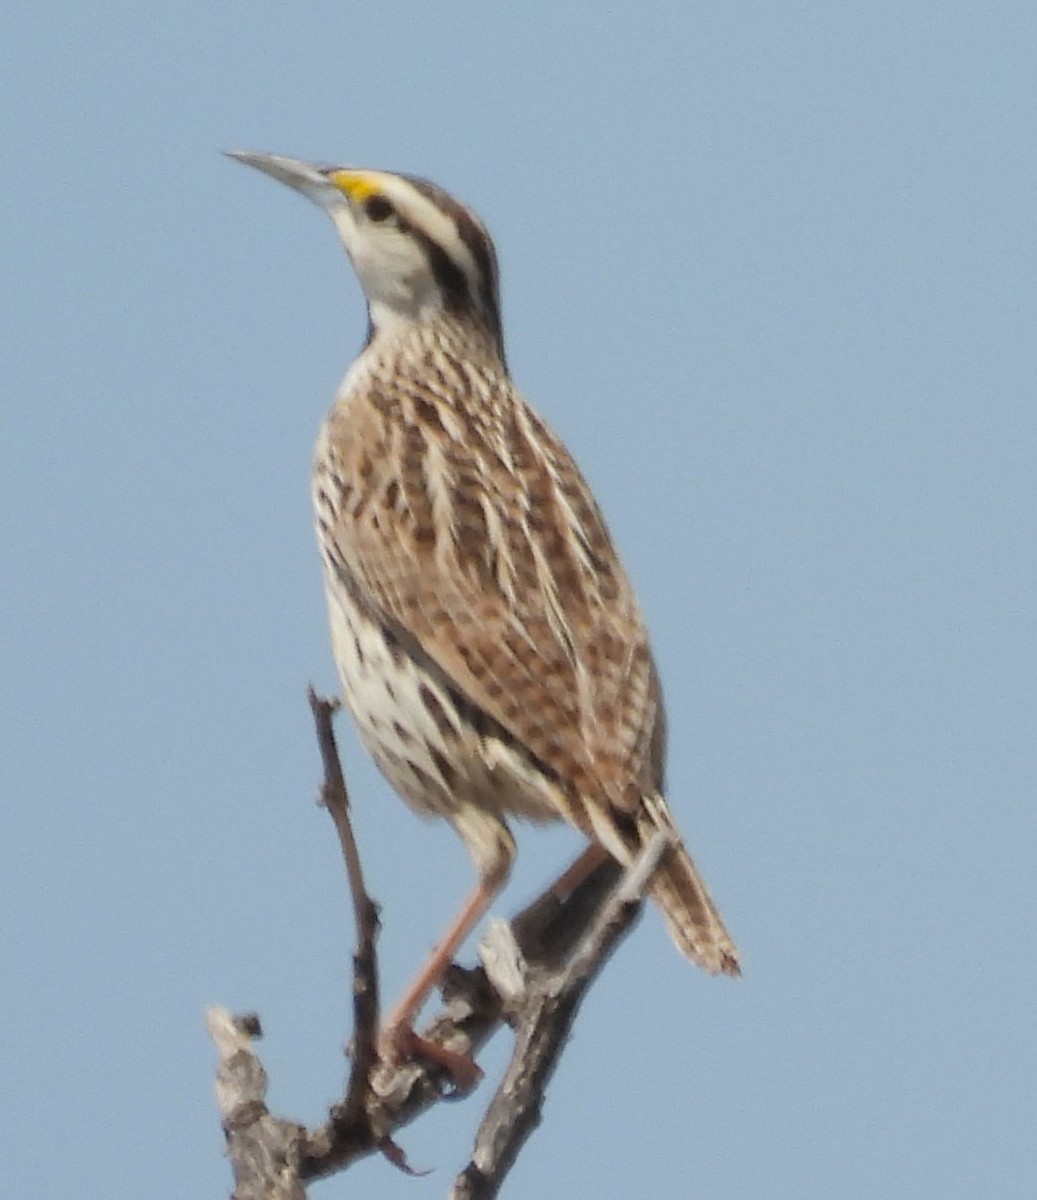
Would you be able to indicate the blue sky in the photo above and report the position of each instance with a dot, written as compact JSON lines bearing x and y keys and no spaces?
{"x":769,"y":269}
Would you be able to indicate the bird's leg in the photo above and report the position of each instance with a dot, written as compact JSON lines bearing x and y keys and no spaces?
{"x":571,"y":878}
{"x":581,"y":888}
{"x":399,"y":1041}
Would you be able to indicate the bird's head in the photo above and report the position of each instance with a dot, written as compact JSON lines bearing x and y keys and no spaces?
{"x":417,"y":252}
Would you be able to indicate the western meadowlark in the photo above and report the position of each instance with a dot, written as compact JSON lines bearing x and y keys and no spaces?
{"x":490,"y":645}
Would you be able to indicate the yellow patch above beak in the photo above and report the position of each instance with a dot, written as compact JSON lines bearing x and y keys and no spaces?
{"x":357,"y":185}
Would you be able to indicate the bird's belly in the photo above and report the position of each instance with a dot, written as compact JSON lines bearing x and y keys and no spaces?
{"x":422,"y":741}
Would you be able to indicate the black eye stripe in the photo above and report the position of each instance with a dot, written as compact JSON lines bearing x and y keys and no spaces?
{"x":448,"y":275}
{"x":476,"y":240}
{"x":377,"y":208}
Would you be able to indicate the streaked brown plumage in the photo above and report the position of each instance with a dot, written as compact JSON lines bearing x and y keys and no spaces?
{"x":490,"y":644}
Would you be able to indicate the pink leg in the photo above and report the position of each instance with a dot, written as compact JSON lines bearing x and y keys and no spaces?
{"x":399,"y":1041}
{"x":574,"y":875}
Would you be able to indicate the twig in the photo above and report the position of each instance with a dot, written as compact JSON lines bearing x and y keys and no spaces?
{"x":335,"y":798}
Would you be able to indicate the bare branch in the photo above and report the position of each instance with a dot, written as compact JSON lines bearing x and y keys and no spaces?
{"x":263,"y":1150}
{"x":543,"y":1020}
{"x":535,"y":974}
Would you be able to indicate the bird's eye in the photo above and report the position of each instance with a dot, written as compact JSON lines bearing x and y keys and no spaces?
{"x":378,"y":208}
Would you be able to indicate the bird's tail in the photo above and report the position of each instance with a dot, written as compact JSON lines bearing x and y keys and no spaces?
{"x":680,"y":891}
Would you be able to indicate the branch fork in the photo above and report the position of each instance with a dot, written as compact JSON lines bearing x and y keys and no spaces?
{"x":535,"y":972}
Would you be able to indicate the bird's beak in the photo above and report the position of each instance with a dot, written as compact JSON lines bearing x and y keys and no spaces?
{"x":308,"y":178}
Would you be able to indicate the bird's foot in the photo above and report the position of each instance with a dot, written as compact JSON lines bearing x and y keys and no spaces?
{"x":401,"y":1044}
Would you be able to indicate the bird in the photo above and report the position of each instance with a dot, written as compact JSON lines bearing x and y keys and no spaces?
{"x":490,"y":645}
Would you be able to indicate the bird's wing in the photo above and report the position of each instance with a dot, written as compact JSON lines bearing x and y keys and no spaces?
{"x":476,"y":536}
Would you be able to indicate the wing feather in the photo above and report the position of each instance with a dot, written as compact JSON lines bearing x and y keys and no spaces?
{"x":473,"y":530}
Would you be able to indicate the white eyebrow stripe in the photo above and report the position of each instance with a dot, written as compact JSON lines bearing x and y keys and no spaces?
{"x":425,"y":215}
